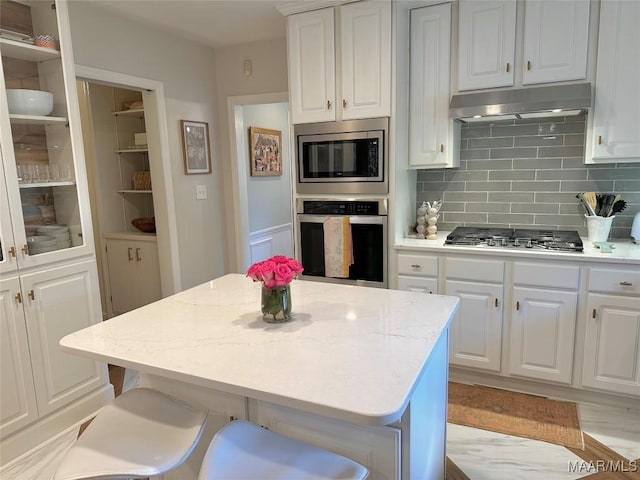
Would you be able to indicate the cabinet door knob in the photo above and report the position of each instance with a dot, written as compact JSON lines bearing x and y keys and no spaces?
{"x":508,"y":67}
{"x":138,"y":257}
{"x":129,"y":253}
{"x":593,"y":314}
{"x":32,"y":295}
{"x":12,"y":251}
{"x":517,"y":305}
{"x":496,"y":302}
{"x":328,"y":104}
{"x":344,"y":103}
{"x":626,"y":284}
{"x":25,"y":249}
{"x":18,"y":297}
{"x":599,"y":139}
{"x":528,"y":65}
{"x":441,"y":147}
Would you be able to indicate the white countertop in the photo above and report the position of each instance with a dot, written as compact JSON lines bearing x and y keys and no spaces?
{"x":352,"y":353}
{"x":624,"y":251}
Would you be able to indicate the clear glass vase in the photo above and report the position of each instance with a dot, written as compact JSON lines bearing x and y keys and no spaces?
{"x":276,"y":304}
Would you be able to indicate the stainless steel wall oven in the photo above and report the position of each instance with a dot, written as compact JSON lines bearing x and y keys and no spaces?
{"x":348,"y":157}
{"x":368,"y":224}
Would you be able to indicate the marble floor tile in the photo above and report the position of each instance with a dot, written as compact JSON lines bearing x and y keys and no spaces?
{"x":617,"y":428}
{"x":484,"y":455}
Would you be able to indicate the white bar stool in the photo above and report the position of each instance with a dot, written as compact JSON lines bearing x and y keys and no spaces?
{"x":242,"y":450}
{"x":143,"y":433}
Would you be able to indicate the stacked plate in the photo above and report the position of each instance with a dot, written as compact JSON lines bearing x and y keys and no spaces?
{"x":59,"y":232}
{"x":41,"y":244}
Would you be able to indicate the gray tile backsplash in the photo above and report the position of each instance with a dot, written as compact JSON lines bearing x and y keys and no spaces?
{"x":519,"y":173}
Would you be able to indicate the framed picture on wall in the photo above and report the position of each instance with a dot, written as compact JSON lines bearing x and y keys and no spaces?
{"x":265,"y":152}
{"x":195,"y":147}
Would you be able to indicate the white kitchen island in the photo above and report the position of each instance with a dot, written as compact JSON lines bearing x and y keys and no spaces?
{"x":361,"y":371}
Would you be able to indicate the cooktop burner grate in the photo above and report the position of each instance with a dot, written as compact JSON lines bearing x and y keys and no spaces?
{"x":553,"y":240}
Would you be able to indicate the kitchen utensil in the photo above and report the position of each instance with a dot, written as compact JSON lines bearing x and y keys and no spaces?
{"x":590,"y":197}
{"x":22,"y":101}
{"x":607,"y":203}
{"x":613,"y":202}
{"x":585,"y":204}
{"x":635,"y":228}
{"x":618,"y":206}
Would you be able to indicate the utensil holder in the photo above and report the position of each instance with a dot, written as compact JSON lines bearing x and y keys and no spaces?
{"x":598,"y":228}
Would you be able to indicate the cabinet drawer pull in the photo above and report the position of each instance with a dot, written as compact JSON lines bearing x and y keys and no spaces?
{"x":344,"y":103}
{"x":129,"y":254}
{"x":599,"y":139}
{"x":528,"y":64}
{"x":496,"y":302}
{"x":517,"y":305}
{"x":415,"y":265}
{"x":441,"y":147}
{"x":138,"y":258}
{"x":508,"y":67}
{"x":32,"y":295}
{"x":18,"y":297}
{"x":593,"y":315}
{"x":12,"y":251}
{"x":25,"y":249}
{"x":328,"y":104}
{"x":626,"y":284}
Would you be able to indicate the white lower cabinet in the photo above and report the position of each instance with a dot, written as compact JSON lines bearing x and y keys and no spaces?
{"x":612,"y":340}
{"x":543,"y":318}
{"x":134,"y":273}
{"x":476,"y":331}
{"x":418,"y":273}
{"x":17,"y":394}
{"x":377,"y":448}
{"x":38,"y":309}
{"x":542,"y":334}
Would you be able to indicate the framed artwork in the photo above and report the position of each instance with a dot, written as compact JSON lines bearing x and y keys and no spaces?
{"x":195,"y":147}
{"x":265,"y":152}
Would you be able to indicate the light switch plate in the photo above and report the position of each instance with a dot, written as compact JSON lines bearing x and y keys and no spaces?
{"x":201,"y":192}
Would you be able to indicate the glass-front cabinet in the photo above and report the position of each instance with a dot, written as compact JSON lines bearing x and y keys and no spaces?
{"x":44,"y":183}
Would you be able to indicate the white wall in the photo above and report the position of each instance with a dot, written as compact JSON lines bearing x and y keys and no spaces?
{"x":187,"y":70}
{"x":269,"y":198}
{"x":269,"y":75}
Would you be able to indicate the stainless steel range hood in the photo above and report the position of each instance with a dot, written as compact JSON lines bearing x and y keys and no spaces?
{"x":528,"y":102}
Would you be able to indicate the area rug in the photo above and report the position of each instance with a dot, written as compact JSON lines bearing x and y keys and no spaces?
{"x":514,"y":413}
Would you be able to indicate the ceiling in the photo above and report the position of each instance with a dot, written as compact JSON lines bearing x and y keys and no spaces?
{"x":216,"y":23}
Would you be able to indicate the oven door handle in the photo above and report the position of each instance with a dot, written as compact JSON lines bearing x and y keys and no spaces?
{"x":355,"y":220}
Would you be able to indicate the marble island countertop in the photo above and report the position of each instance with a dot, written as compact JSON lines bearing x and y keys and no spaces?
{"x":624,"y":250}
{"x":351,"y":353}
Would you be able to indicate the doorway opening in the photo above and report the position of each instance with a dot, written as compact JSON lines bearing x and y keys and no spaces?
{"x":126,"y":150}
{"x":263,"y":205}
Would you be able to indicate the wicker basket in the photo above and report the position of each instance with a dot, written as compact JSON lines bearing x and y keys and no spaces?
{"x":142,"y":181}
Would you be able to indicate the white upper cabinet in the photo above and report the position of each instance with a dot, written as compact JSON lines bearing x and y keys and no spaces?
{"x":349,"y":79}
{"x":555,"y":40}
{"x":312,"y":66}
{"x":554,"y":43}
{"x":431,"y":132}
{"x":616,"y":136}
{"x":486,"y":44}
{"x":366,"y":59}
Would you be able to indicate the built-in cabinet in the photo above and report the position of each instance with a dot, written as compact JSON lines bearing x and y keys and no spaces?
{"x":615,"y":136}
{"x":433,"y":135}
{"x":134,"y":271}
{"x":612,"y":342}
{"x":554,"y":40}
{"x":475,"y":337}
{"x":48,"y":276}
{"x":537,"y":320}
{"x":340,"y":62}
{"x":544,"y":302}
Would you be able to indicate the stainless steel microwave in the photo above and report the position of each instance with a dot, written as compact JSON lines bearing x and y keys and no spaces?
{"x":345,"y":157}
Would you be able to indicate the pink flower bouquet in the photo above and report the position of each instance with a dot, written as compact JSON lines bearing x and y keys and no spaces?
{"x":276,"y":271}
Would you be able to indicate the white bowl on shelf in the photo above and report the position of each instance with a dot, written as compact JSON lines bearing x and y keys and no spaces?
{"x":22,"y":101}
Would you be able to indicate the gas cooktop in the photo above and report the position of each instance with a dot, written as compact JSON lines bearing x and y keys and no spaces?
{"x":552,"y":240}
